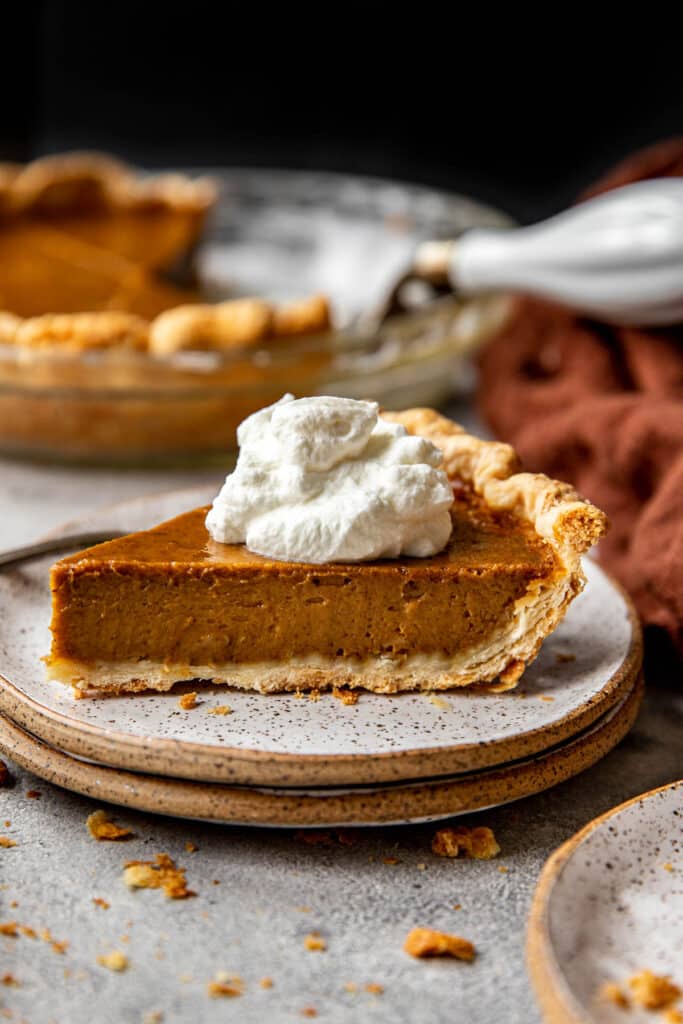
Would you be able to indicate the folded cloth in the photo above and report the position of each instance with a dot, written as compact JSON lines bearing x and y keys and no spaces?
{"x":602,"y":407}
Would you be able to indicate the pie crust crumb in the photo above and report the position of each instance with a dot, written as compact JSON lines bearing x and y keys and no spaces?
{"x":100,"y":827}
{"x":10,"y":981}
{"x":222,"y":709}
{"x":374,"y":988}
{"x":114,"y":961}
{"x":225,"y":986}
{"x":612,"y":993}
{"x":6,"y":842}
{"x":673,"y":1016}
{"x":188,"y":700}
{"x":426,"y":942}
{"x":653,"y":991}
{"x":479,"y":842}
{"x":266,"y":982}
{"x":10,"y":928}
{"x":161,"y":873}
{"x":99,"y":902}
{"x":315,"y":943}
{"x":345,"y":696}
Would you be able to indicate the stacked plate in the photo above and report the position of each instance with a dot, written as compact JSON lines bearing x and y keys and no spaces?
{"x":293,"y":761}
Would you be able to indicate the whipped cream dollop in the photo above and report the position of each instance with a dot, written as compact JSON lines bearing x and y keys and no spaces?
{"x":327,"y":480}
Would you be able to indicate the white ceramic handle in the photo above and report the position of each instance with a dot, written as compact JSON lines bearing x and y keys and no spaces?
{"x":618,"y":257}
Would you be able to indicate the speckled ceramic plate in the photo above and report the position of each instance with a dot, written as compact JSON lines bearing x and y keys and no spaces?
{"x":391,"y":803}
{"x":583,"y":670}
{"x":609,"y":904}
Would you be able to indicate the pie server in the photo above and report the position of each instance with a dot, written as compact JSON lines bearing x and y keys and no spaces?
{"x":617,"y":257}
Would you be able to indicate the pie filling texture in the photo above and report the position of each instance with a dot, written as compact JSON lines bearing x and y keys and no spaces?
{"x":170,"y":604}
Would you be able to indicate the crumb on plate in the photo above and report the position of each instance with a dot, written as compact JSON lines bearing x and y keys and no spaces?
{"x":653,"y":991}
{"x":610,"y":992}
{"x":188,"y":700}
{"x":348,"y":697}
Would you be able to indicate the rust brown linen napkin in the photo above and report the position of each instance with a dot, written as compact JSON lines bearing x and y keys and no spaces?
{"x":602,"y":407}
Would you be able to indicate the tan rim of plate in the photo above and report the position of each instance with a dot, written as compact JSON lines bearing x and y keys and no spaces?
{"x":557,"y":1003}
{"x":201,"y":762}
{"x":386,"y":805}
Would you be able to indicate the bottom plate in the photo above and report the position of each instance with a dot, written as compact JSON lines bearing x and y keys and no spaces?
{"x":608,"y":905}
{"x":377,"y":805}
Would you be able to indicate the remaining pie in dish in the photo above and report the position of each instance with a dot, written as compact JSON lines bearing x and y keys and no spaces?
{"x":171,"y":604}
{"x":83,"y":232}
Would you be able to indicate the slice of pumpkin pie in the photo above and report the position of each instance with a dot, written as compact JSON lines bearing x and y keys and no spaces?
{"x":393,"y":552}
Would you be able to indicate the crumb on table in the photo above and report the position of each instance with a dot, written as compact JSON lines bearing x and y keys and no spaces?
{"x":315,"y":943}
{"x":114,"y":961}
{"x":226,"y":986}
{"x":161,"y":873}
{"x":102,"y":828}
{"x":479,"y":842}
{"x":426,"y":942}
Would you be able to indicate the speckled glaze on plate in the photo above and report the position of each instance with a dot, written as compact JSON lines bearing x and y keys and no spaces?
{"x":609,"y":904}
{"x":583,"y":669}
{"x":393,"y":803}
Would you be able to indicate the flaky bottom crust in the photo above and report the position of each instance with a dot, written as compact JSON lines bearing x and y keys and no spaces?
{"x":501,"y":659}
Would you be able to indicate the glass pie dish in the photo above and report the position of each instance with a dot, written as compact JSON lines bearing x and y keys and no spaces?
{"x":280,"y":235}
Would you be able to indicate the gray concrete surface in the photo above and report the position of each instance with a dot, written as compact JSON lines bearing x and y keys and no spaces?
{"x":253,"y":922}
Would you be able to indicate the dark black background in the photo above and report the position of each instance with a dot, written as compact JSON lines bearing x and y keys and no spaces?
{"x":522,"y":115}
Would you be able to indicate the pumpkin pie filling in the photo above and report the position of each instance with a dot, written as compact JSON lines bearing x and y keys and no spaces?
{"x":170,"y":604}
